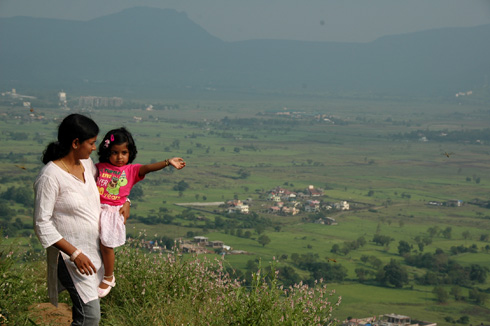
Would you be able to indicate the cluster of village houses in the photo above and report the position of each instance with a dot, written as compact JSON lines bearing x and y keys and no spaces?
{"x":386,"y":320}
{"x":450,"y":203}
{"x":286,"y":202}
{"x":196,"y":245}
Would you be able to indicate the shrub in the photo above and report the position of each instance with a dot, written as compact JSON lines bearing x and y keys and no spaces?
{"x":176,"y":289}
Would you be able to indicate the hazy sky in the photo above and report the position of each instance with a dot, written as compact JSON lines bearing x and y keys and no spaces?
{"x":312,"y":20}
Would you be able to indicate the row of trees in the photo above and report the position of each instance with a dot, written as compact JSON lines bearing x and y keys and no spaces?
{"x":443,"y":270}
{"x":21,"y":195}
{"x":348,"y":246}
{"x":477,"y":296}
{"x":446,"y":135}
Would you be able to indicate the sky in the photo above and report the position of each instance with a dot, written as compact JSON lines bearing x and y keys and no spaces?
{"x":308,"y":20}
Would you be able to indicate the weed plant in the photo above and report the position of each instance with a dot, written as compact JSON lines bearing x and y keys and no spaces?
{"x":176,"y":289}
{"x":20,"y":284}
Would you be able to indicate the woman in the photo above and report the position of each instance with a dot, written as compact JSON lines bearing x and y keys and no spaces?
{"x":66,"y":217}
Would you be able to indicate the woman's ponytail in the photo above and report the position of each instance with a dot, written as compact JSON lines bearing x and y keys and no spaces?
{"x":54,"y":151}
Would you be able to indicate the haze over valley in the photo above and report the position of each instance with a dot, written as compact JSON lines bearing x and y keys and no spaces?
{"x":161,"y":51}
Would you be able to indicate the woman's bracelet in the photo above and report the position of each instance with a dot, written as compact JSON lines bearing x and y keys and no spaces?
{"x":75,"y":254}
{"x":167,"y":162}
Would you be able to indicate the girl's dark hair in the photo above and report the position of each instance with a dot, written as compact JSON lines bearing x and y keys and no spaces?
{"x":116,"y":137}
{"x":72,"y":127}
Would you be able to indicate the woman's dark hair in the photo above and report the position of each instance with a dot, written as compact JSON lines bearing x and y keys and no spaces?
{"x":72,"y":127}
{"x":116,"y":137}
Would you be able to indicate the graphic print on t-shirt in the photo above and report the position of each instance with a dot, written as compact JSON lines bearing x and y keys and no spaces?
{"x":116,"y":183}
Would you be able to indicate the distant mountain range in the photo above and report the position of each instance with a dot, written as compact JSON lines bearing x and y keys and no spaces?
{"x":158,"y":51}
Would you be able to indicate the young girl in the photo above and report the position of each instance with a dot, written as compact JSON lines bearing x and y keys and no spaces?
{"x":115,"y":179}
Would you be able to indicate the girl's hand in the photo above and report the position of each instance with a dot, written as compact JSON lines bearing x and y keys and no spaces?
{"x":177,"y":162}
{"x":84,"y":265}
{"x":124,"y":211}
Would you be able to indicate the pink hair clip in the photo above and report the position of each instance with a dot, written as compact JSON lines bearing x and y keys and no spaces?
{"x":112,"y":137}
{"x":107,"y":142}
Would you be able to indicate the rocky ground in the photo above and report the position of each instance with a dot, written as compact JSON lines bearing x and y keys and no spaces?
{"x":47,"y":314}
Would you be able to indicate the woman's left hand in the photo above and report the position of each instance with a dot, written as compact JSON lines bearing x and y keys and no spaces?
{"x":124,"y":211}
{"x":84,"y":264}
{"x":177,"y":162}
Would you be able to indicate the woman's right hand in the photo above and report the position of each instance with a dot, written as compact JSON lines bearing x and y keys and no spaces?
{"x":84,"y":265}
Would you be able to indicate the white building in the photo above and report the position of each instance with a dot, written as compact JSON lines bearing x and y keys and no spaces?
{"x":62,"y":98}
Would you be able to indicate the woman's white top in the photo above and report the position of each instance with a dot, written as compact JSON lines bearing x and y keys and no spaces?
{"x":66,"y":207}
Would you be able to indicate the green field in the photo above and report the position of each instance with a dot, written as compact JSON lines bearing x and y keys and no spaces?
{"x":359,"y":158}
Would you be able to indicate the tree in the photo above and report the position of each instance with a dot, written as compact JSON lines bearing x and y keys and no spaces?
{"x":446,"y":233}
{"x":136,"y":192}
{"x":218,"y":222}
{"x":335,"y":249}
{"x":457,"y":293}
{"x":243,"y":174}
{"x":430,"y":278}
{"x":252,"y":265}
{"x":433,"y":231}
{"x":441,"y":294}
{"x":404,"y":247}
{"x":327,"y":271}
{"x":239,"y":233}
{"x":394,"y":274}
{"x":176,"y":144}
{"x":361,"y":242}
{"x":263,"y":240}
{"x":362,"y":274}
{"x":382,"y":240}
{"x":288,"y":276}
{"x":478,"y":273}
{"x":466,"y":235}
{"x":181,"y":186}
{"x":463,"y":320}
{"x":259,"y":228}
{"x":479,"y":297}
{"x":6,"y":213}
{"x":375,"y":262}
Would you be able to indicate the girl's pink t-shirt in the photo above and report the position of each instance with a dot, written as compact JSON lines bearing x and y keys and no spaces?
{"x":115,"y":183}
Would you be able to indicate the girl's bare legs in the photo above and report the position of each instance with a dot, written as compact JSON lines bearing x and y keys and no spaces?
{"x":108,"y":259}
